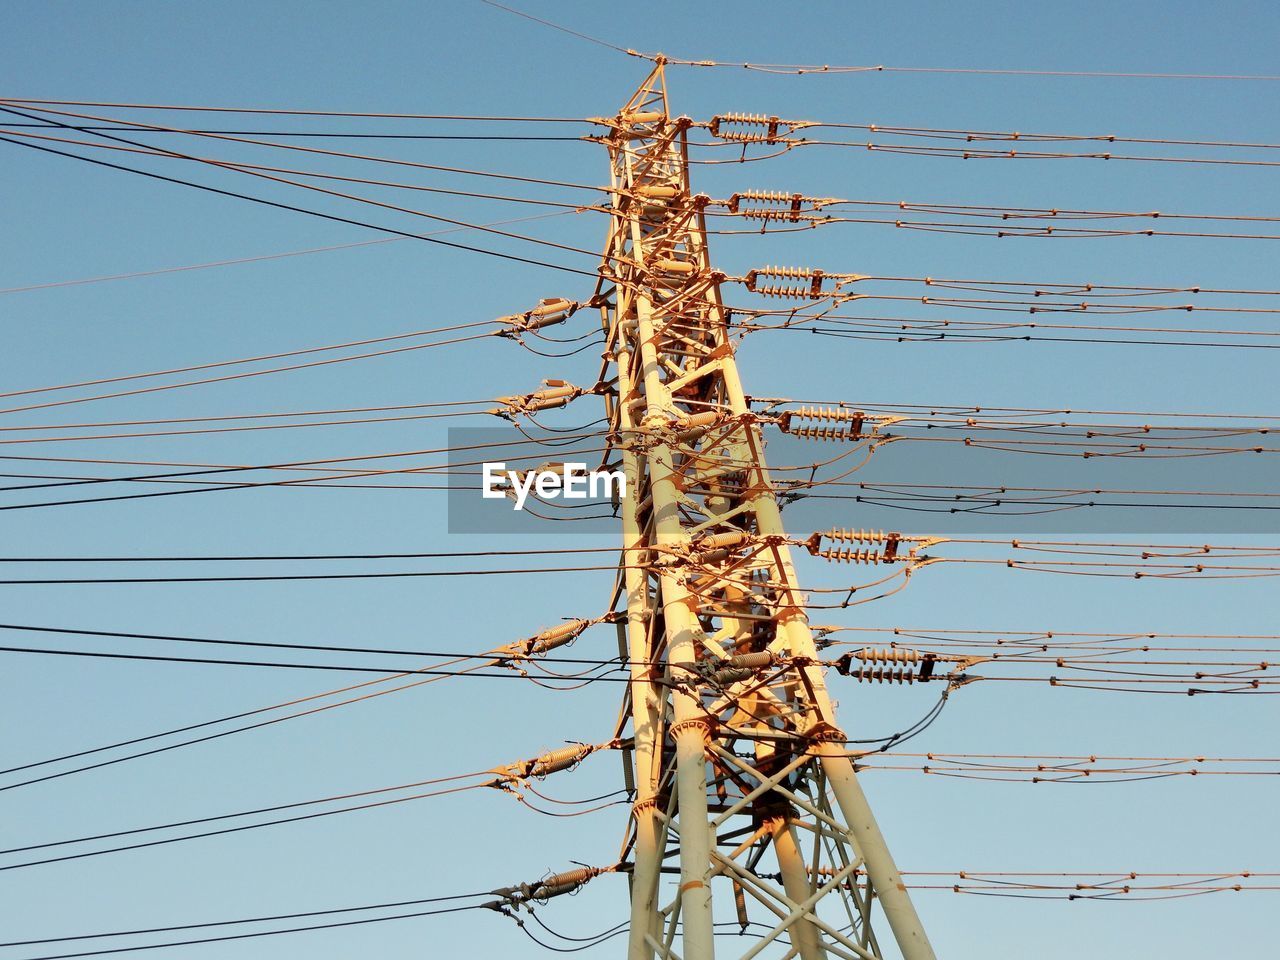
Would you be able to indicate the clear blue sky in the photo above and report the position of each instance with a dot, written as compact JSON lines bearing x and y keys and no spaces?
{"x":65,"y":220}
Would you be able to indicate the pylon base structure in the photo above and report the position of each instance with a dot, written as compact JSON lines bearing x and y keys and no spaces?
{"x":737,"y":757}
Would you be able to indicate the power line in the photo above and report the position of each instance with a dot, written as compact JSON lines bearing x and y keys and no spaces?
{"x":330,"y":648}
{"x":1012,"y":214}
{"x":343,"y":668}
{"x":332,"y":135}
{"x":260,"y":170}
{"x":985,"y":136}
{"x":971,"y":153}
{"x":1038,"y":290}
{"x":264,"y":933}
{"x":289,"y":368}
{"x":320,"y":465}
{"x":204,"y":738}
{"x":100,"y":381}
{"x":140,"y":127}
{"x":264,"y":172}
{"x":491,"y":781}
{"x":543,"y":640}
{"x":1039,"y":637}
{"x":555,"y":26}
{"x":296,"y":209}
{"x":292,"y":112}
{"x":801,"y":69}
{"x":893,"y":324}
{"x":1043,"y":231}
{"x":245,"y":920}
{"x":201,"y":266}
{"x":388,"y":206}
{"x":574,"y":680}
{"x":961,"y":409}
{"x":399,"y":574}
{"x":502,"y":777}
{"x":231,"y":417}
{"x":211,"y":558}
{"x":205,"y":431}
{"x":927,"y":332}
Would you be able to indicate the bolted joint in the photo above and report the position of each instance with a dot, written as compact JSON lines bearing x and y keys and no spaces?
{"x":644,"y":808}
{"x":826,"y":732}
{"x":705,"y":725}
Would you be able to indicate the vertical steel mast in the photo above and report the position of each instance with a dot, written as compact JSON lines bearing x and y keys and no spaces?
{"x":737,"y":755}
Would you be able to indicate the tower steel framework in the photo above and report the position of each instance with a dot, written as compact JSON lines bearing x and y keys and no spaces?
{"x":740,"y":772}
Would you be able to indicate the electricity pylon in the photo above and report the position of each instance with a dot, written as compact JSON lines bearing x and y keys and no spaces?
{"x":737,"y":754}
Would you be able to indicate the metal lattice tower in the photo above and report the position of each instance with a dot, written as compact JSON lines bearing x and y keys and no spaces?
{"x":737,"y":756}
